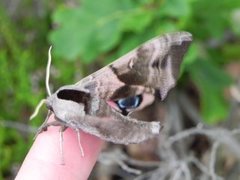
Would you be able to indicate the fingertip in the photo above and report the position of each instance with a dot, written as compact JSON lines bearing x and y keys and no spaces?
{"x":44,"y":160}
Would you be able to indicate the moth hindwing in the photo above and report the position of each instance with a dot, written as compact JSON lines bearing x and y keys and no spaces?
{"x":104,"y":102}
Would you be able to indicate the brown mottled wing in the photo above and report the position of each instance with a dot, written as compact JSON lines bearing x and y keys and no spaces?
{"x":89,"y":104}
{"x":154,"y":64}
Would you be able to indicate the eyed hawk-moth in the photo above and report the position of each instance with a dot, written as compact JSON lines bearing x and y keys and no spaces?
{"x":103,"y":102}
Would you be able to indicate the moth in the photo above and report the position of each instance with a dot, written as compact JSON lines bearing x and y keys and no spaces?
{"x":104,"y":102}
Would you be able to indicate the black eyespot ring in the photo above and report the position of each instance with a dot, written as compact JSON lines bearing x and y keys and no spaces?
{"x":129,"y":103}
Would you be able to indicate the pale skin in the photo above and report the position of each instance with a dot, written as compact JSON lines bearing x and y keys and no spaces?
{"x":44,"y":159}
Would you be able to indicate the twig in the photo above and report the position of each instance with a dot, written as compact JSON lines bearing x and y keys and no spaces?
{"x":236,"y":131}
{"x":186,"y":171}
{"x":212,"y":160}
{"x":200,"y":166}
{"x":117,"y":157}
{"x":189,"y":108}
{"x":178,"y":174}
{"x":222,"y":135}
{"x":19,"y":126}
{"x":219,"y":135}
{"x":127,"y":168}
{"x":146,"y":164}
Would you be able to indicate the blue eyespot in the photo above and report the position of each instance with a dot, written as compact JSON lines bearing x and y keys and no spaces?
{"x":129,"y":102}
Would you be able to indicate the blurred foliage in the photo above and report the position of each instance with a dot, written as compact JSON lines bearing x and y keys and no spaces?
{"x":92,"y":33}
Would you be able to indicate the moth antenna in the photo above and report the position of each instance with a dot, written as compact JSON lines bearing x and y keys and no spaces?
{"x":61,"y":145}
{"x":79,"y":142}
{"x":36,"y":111}
{"x":48,"y":71}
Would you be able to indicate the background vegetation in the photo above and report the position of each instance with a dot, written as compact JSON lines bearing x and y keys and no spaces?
{"x":88,"y":34}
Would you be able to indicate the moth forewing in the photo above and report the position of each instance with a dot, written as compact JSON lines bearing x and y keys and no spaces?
{"x":132,"y":82}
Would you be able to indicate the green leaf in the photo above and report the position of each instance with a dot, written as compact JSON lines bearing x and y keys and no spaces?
{"x":93,"y":28}
{"x":70,"y":39}
{"x":235,"y":20}
{"x":137,"y":20}
{"x":175,"y":8}
{"x":166,"y":26}
{"x":211,"y":18}
{"x":231,"y":51}
{"x":189,"y":58}
{"x":211,"y":82}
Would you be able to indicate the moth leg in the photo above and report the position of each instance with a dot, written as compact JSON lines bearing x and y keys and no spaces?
{"x":46,"y":119}
{"x":61,"y":130}
{"x":46,"y":124}
{"x":79,"y":142}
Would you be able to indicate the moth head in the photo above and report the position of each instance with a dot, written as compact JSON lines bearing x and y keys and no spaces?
{"x":68,"y":100}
